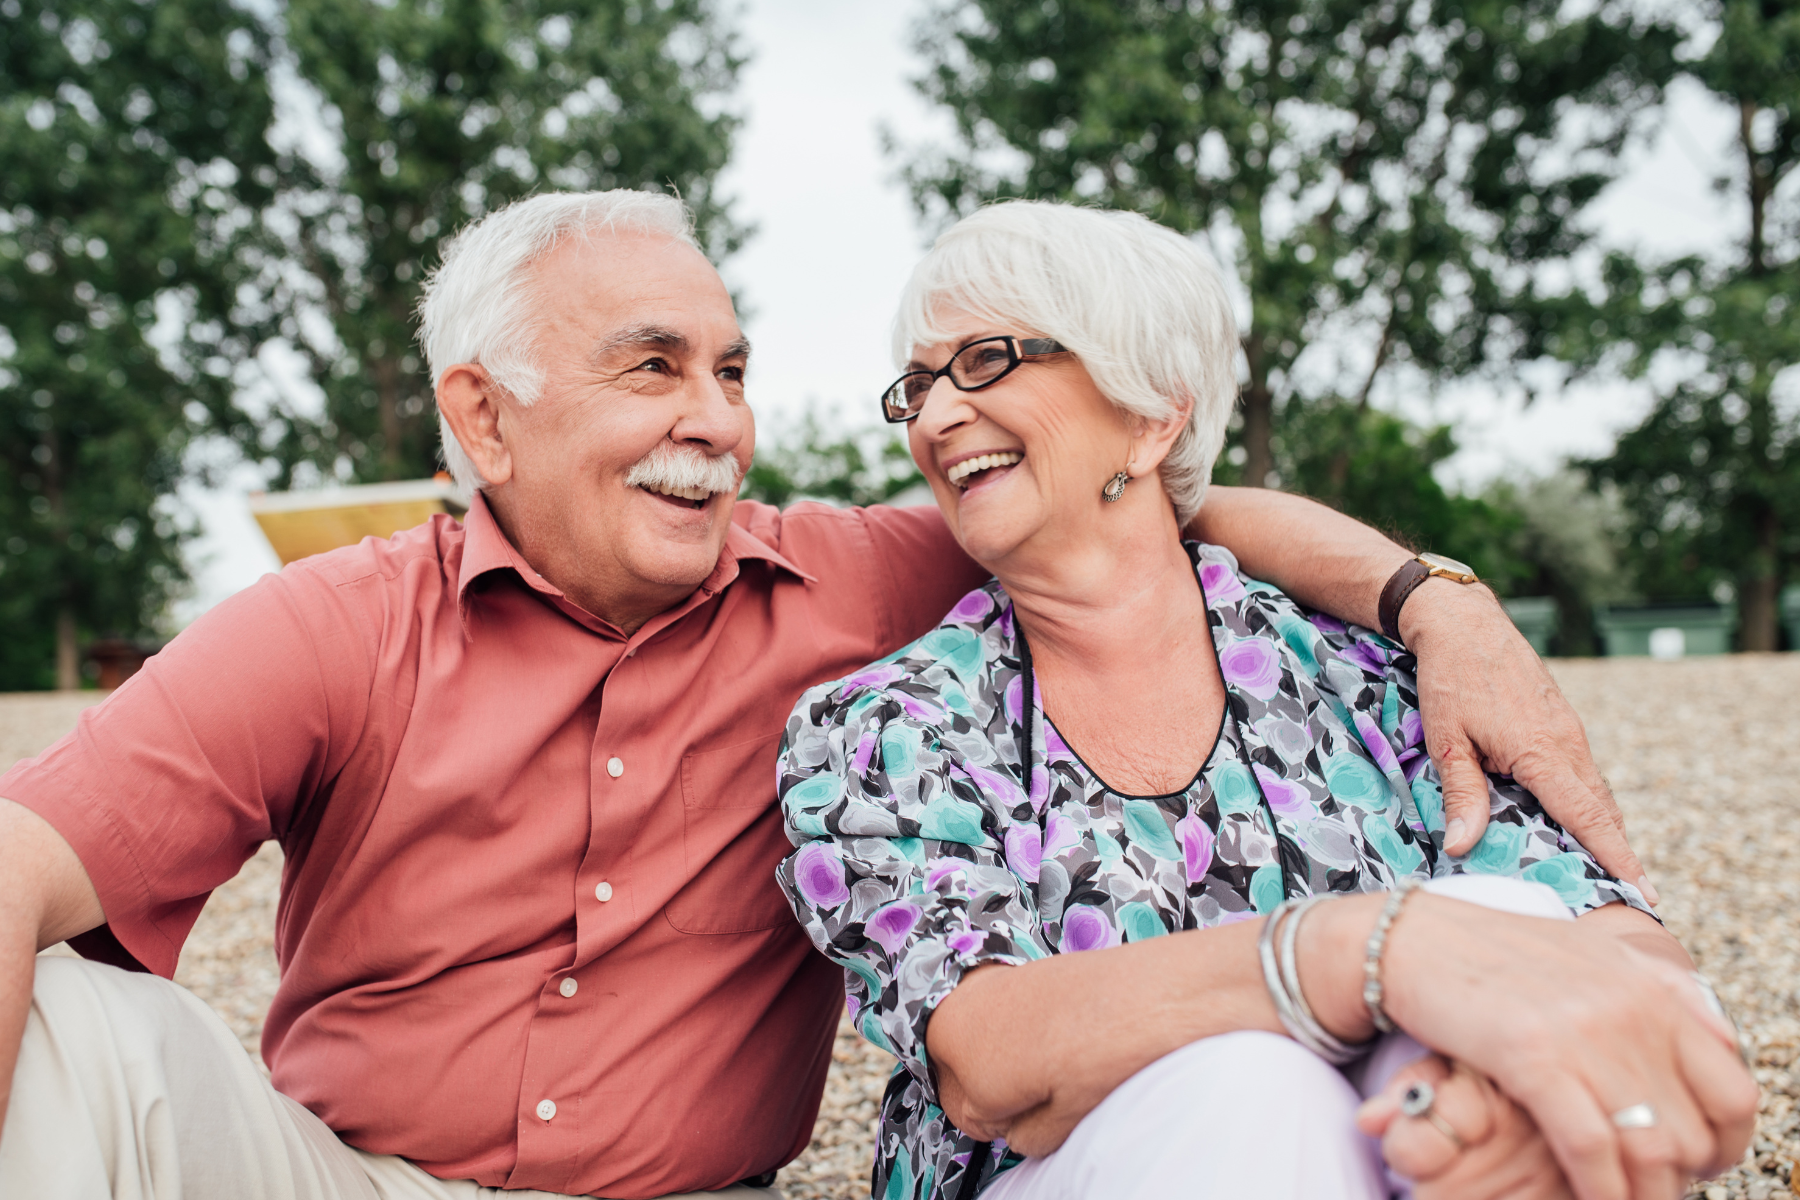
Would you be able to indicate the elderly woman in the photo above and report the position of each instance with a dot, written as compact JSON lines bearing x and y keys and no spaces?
{"x":1120,"y":859}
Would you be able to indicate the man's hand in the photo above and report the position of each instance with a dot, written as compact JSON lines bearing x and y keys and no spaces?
{"x":1503,"y":1154}
{"x":1488,"y":704}
{"x":1487,"y":700}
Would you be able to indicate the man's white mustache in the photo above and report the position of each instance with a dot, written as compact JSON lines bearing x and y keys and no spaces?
{"x":669,"y":466}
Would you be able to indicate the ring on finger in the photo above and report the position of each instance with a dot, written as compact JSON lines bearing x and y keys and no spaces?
{"x":1420,"y":1100}
{"x":1636,"y":1116}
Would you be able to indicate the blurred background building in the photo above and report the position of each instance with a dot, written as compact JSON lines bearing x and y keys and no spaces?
{"x":1514,"y":280}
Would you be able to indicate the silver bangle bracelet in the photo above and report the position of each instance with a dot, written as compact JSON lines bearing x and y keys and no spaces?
{"x":1372,"y":995}
{"x":1282,"y":977}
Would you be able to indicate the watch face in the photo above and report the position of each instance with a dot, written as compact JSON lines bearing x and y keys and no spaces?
{"x":1439,"y":562}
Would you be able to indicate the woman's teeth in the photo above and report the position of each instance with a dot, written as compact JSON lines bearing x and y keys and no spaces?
{"x":981,"y":462}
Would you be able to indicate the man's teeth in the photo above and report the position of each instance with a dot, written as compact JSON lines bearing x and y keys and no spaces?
{"x":680,"y":493}
{"x":971,"y":466}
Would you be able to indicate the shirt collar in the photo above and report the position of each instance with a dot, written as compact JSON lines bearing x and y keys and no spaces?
{"x":486,"y":549}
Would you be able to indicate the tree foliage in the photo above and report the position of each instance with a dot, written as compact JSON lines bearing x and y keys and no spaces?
{"x":870,"y":466}
{"x":441,"y":111}
{"x":1711,"y":478}
{"x":1385,"y":179}
{"x":131,"y":135}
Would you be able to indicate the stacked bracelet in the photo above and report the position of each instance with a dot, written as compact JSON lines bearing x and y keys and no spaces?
{"x":1377,"y":944}
{"x":1282,"y":976}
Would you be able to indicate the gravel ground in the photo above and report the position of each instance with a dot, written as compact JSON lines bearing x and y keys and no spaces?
{"x":1704,"y":755}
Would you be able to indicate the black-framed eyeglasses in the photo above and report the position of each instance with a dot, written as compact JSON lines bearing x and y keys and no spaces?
{"x":979,"y":364}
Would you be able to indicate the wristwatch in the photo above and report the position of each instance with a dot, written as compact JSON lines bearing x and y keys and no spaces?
{"x":1412,"y":573}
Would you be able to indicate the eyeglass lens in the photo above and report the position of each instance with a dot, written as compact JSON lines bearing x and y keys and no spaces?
{"x":974,"y":366}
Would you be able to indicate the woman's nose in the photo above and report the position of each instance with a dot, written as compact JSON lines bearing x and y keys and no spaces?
{"x":945,"y":409}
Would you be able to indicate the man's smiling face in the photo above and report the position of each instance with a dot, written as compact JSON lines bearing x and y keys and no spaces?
{"x":643,"y":368}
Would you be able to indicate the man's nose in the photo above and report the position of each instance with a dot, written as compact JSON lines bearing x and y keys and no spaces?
{"x":711,"y":419}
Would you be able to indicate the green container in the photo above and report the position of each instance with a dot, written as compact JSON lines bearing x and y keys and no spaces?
{"x":1536,"y":618}
{"x":1666,"y":630}
{"x":1790,"y":615}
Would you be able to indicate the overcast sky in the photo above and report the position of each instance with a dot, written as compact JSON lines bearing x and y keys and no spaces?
{"x":836,"y":238}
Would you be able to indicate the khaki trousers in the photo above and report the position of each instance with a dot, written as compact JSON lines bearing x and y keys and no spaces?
{"x":131,"y":1088}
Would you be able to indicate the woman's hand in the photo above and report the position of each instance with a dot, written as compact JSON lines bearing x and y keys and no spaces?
{"x":1503,"y":1155}
{"x":1575,"y":1025}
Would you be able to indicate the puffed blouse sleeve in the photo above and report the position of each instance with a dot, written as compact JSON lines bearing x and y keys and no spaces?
{"x":899,"y":875}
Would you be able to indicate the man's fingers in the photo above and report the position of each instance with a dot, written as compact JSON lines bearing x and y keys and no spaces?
{"x":1589,"y":815}
{"x":1465,"y":795}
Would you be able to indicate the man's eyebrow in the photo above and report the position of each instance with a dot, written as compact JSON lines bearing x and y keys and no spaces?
{"x":737,"y":348}
{"x":643,"y":337}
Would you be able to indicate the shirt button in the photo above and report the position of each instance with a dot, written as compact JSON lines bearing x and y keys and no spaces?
{"x":567,"y":988}
{"x":602,"y":891}
{"x":546,"y":1109}
{"x":615,"y":767}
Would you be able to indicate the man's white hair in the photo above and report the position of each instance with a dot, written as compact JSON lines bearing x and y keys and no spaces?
{"x":480,"y":304}
{"x":1143,"y":308}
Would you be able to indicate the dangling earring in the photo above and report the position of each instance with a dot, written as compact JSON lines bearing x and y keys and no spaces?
{"x":1115,"y":487}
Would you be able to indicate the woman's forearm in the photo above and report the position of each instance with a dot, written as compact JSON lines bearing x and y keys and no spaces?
{"x":1026,"y":1052}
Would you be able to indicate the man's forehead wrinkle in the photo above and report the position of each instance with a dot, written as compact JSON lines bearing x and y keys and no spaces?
{"x":659,"y":336}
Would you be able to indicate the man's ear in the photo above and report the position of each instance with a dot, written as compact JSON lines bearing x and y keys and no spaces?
{"x":1151,"y":440}
{"x":469,"y":399}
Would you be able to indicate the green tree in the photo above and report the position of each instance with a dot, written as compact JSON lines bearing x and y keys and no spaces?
{"x":1711,"y":477}
{"x":1387,"y":180}
{"x":443,"y":110}
{"x":130,"y":135}
{"x":871,"y":466}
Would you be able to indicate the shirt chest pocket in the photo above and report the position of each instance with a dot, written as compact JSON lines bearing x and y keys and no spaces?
{"x":732,"y":841}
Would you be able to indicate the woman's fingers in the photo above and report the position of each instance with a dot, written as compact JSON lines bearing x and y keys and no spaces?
{"x":1422,"y":1146}
{"x":1726,"y":1093}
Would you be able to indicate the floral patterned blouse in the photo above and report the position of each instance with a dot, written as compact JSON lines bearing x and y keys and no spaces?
{"x":925,"y":848}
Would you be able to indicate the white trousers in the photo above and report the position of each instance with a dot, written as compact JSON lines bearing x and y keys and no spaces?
{"x":131,"y":1088}
{"x":1245,"y":1114}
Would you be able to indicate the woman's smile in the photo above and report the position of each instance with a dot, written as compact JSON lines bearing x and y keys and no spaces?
{"x":979,"y":469}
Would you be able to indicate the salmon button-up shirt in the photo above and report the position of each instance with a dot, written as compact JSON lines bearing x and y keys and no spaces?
{"x":529,"y":928}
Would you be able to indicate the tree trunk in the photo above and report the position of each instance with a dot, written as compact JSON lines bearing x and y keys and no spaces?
{"x":68,"y":661}
{"x":1759,"y":602}
{"x":1259,"y":413}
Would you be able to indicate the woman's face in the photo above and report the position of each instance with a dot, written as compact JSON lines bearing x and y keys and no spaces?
{"x":1052,"y":438}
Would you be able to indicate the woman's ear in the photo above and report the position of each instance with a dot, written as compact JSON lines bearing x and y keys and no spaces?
{"x":470,"y":401}
{"x":1152,"y":439}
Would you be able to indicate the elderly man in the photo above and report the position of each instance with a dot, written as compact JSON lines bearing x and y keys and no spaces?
{"x":522,"y":771}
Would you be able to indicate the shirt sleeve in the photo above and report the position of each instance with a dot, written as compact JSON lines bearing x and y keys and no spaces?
{"x":923,"y":571}
{"x":166,"y":787}
{"x":900,"y":875}
{"x":1373,"y":683}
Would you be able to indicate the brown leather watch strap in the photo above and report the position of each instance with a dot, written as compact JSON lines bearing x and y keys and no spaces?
{"x":1399,"y":586}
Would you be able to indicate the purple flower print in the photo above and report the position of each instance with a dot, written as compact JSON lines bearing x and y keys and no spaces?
{"x":1196,"y":846}
{"x":1060,"y":836}
{"x":1288,"y":799}
{"x":1012,"y":699}
{"x":1221,"y":584}
{"x":1377,"y":742}
{"x":1083,"y":928}
{"x":1326,"y":623}
{"x":997,"y":784}
{"x":940,"y":869}
{"x":1252,"y":664}
{"x":865,"y":750}
{"x":889,"y":926}
{"x":966,"y":940}
{"x":972,"y":607}
{"x":1024,"y":851}
{"x":819,"y":873}
{"x":1371,"y":658}
{"x":875,"y":677}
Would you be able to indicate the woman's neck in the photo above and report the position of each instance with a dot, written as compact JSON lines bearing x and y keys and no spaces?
{"x":1101,"y":602}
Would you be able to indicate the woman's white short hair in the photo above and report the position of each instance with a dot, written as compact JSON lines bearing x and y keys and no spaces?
{"x":479,"y":305}
{"x":1143,"y":308}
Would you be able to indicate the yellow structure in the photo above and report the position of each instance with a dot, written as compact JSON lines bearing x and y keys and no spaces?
{"x":300,"y":524}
